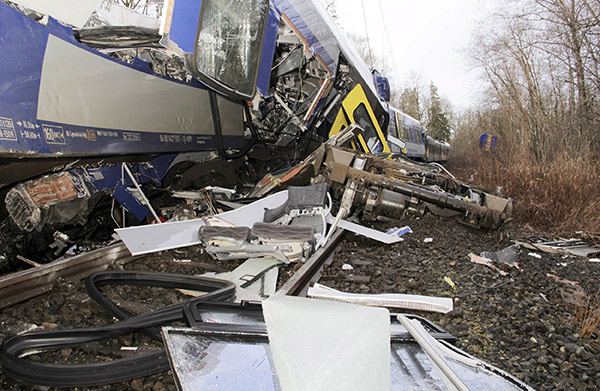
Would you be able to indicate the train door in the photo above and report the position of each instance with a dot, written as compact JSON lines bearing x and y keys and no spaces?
{"x":356,"y":109}
{"x":395,"y":139}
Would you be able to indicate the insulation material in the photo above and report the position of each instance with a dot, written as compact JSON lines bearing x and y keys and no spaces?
{"x":394,"y":300}
{"x":318,"y":345}
{"x":73,"y":12}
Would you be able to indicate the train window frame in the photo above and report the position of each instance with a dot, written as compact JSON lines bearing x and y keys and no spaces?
{"x":413,"y":135}
{"x":364,"y":114}
{"x":400,"y":127}
{"x":394,"y":132}
{"x":406,"y":132}
{"x":233,"y":92}
{"x":419,"y":136}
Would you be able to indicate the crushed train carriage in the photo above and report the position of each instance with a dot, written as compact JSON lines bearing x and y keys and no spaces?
{"x":117,"y":108}
{"x":175,"y":99}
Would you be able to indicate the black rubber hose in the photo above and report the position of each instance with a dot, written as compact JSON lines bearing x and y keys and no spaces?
{"x":215,"y":288}
{"x":108,"y":372}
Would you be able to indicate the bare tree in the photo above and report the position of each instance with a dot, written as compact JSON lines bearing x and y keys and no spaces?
{"x":541,"y":63}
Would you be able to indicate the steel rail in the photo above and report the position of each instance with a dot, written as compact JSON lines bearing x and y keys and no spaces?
{"x":26,"y":284}
{"x":298,"y":284}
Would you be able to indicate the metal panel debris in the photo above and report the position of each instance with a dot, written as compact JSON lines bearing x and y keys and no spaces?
{"x":576,"y":247}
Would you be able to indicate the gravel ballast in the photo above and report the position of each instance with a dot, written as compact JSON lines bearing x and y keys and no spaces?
{"x":522,"y":322}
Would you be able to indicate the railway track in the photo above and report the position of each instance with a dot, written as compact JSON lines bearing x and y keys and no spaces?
{"x":26,"y":284}
{"x":298,"y":284}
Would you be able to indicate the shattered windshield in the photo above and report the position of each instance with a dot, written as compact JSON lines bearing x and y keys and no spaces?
{"x":229,"y":42}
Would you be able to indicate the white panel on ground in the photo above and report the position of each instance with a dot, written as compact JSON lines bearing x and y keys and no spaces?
{"x":73,"y":12}
{"x":264,"y":285}
{"x":364,"y":231}
{"x":263,"y":270}
{"x":394,"y":300}
{"x":319,"y":345}
{"x":147,"y":239}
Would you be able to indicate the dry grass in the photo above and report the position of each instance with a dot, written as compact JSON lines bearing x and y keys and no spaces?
{"x":586,"y":317}
{"x":560,"y":196}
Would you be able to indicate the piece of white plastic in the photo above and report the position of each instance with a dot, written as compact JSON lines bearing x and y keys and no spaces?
{"x":347,"y":266}
{"x":147,"y":239}
{"x":427,"y":240}
{"x":325,"y":346}
{"x":394,"y":300}
{"x":364,"y":231}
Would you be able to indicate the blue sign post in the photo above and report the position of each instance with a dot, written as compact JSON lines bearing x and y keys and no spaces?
{"x":487,"y":142}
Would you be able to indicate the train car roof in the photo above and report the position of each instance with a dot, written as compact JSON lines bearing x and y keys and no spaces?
{"x":324,"y":36}
{"x":407,"y":117}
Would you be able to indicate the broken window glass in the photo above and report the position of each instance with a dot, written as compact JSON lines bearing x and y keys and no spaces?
{"x":229,"y":43}
{"x":242,"y":360}
{"x":201,"y":361}
{"x":411,"y":366}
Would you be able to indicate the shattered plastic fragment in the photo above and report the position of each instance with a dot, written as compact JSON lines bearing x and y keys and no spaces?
{"x":399,"y":231}
{"x":364,"y":231}
{"x":346,"y":266}
{"x":449,"y":281}
{"x":427,"y":240}
{"x":575,"y":247}
{"x":256,"y":278}
{"x":319,"y":345}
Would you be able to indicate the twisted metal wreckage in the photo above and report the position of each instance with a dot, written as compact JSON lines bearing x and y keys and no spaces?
{"x":160,"y":111}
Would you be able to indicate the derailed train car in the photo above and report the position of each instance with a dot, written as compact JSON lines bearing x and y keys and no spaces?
{"x":83,"y":95}
{"x":97,"y":110}
{"x":407,"y":136}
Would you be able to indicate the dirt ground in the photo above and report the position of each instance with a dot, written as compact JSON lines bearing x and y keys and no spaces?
{"x":522,"y":322}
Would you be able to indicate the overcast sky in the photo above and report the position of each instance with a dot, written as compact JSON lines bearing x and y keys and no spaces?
{"x":428,"y":38}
